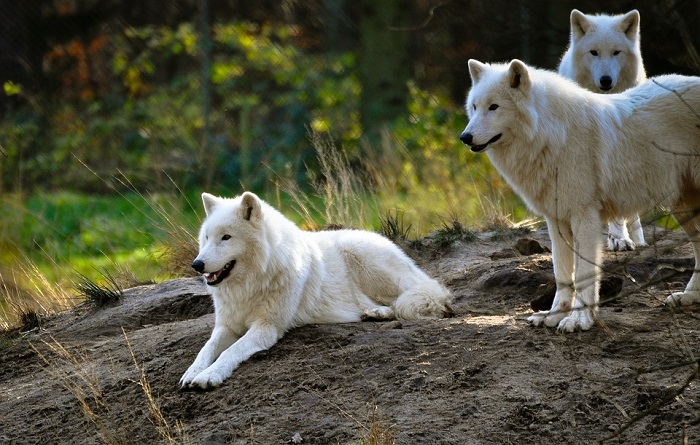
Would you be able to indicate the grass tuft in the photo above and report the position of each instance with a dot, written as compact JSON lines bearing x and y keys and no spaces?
{"x":29,"y":320}
{"x":99,"y":294}
{"x":378,"y":432}
{"x":450,"y":233}
{"x":394,"y":227}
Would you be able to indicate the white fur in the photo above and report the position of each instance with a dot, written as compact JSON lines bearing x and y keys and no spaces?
{"x":285,"y":277}
{"x":578,"y":158}
{"x":604,"y":45}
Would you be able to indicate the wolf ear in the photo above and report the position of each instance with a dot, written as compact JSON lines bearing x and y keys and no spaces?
{"x":476,"y":69}
{"x":629,"y":24}
{"x":210,"y":202}
{"x":580,"y":24}
{"x":518,"y":75}
{"x":250,"y":207}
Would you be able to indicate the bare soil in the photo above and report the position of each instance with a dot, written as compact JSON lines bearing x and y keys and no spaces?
{"x":482,"y":377}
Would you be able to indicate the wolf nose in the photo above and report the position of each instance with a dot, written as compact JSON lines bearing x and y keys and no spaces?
{"x":466,"y":138}
{"x":606,"y":82}
{"x":198,"y":265}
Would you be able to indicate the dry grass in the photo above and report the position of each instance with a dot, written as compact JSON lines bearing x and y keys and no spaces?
{"x":169,"y":434}
{"x":344,"y":191}
{"x":78,"y":375}
{"x":28,"y":295}
{"x":378,"y":431}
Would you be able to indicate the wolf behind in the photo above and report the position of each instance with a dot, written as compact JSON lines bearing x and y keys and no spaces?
{"x":579,"y":158}
{"x":604,"y":56}
{"x":267,"y":276}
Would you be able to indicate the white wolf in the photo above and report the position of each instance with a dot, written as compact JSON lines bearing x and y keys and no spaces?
{"x":267,"y":276}
{"x":604,"y":56}
{"x":577,"y":157}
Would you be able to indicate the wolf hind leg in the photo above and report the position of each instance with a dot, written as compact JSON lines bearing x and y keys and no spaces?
{"x":426,"y":299}
{"x":619,"y":237}
{"x":636,"y":232}
{"x":688,"y":216}
{"x":378,"y":313}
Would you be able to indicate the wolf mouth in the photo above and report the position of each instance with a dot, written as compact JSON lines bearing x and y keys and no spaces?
{"x":482,"y":147}
{"x":215,"y":278}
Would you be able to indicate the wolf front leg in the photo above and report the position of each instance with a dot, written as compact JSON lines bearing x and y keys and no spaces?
{"x":587,"y":256}
{"x":260,"y":336}
{"x":688,"y":215}
{"x":563,"y":261}
{"x":221,"y":338}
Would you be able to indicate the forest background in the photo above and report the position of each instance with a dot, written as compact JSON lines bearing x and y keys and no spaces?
{"x":116,"y":114}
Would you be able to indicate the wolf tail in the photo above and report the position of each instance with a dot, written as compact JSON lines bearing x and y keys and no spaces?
{"x":427,"y":299}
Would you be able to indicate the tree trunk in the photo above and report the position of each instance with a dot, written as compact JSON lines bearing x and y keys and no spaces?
{"x":384,"y":62}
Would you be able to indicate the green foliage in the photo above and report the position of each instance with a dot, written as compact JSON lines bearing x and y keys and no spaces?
{"x":283,"y":121}
{"x":89,"y":232}
{"x":266,"y":92}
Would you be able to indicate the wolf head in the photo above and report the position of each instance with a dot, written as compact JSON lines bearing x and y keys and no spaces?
{"x":229,"y":238}
{"x":496,"y":104}
{"x":606,"y":50}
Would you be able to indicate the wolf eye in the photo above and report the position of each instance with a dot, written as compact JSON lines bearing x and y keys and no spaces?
{"x":594,"y":53}
{"x":225,"y":237}
{"x":493,"y":107}
{"x":474,"y":107}
{"x":615,"y":53}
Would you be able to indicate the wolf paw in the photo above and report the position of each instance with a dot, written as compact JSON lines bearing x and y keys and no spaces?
{"x":579,"y":320}
{"x":193,"y":371}
{"x":620,"y":244}
{"x":378,"y":313}
{"x":683,"y":298}
{"x":207,"y":379}
{"x":546,"y":318}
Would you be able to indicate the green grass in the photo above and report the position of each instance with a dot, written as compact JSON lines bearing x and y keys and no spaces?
{"x":72,"y":245}
{"x":88,"y":233}
{"x":59,"y":249}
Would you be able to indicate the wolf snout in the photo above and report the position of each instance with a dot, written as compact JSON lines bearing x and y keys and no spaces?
{"x":198,"y":265}
{"x":466,"y":138}
{"x":606,"y":83}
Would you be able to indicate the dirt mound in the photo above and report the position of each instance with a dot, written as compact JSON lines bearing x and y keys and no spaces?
{"x":482,"y":377}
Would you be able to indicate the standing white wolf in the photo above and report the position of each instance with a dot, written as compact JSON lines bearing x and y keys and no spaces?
{"x":578,"y":157}
{"x":604,"y":56}
{"x":267,"y":276}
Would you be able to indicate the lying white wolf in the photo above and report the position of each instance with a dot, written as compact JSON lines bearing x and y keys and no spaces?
{"x":604,"y":56}
{"x":578,"y":157}
{"x":268,"y":276}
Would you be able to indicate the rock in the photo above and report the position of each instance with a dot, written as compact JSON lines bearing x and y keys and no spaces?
{"x":529,"y":246}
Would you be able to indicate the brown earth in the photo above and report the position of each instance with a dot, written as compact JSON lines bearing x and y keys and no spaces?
{"x":482,"y":377}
